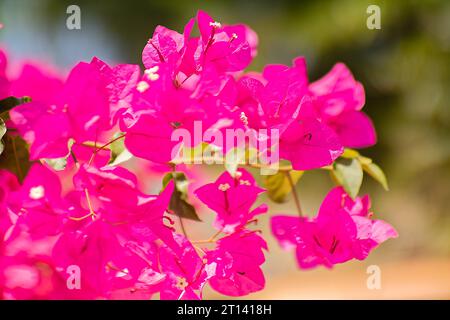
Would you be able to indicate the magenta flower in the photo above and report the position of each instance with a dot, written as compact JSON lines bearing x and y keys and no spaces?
{"x":339,"y":100}
{"x":37,"y":205}
{"x":227,"y":48}
{"x":343,"y":230}
{"x":185,"y":274}
{"x":111,"y":195}
{"x":4,"y":81}
{"x":8,"y":185}
{"x":81,"y":248}
{"x":38,"y":81}
{"x":78,"y":110}
{"x":279,"y":99}
{"x":30,"y":277}
{"x":158,"y":108}
{"x":232,"y":199}
{"x":236,"y":263}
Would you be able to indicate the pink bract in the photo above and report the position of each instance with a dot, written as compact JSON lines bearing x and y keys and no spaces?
{"x":342,"y":230}
{"x":232,"y":199}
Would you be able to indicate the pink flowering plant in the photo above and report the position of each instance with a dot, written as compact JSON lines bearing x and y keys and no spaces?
{"x":75,"y":220}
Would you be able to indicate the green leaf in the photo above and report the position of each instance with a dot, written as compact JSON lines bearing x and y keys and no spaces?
{"x":364,"y":160}
{"x":375,"y":172}
{"x":2,"y":133}
{"x":278,"y":186}
{"x":15,"y":157}
{"x":179,"y":201}
{"x":124,"y":156}
{"x":117,"y":147}
{"x":10,"y":102}
{"x":349,"y":174}
{"x":58,"y":164}
{"x":234,"y":158}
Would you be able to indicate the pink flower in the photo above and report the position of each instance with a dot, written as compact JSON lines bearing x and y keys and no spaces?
{"x":232,"y":198}
{"x":308,"y":143}
{"x":37,"y":81}
{"x":279,"y":99}
{"x":339,"y":100}
{"x":8,"y":185}
{"x":4,"y":81}
{"x":341,"y":231}
{"x":227,"y":48}
{"x":123,"y":79}
{"x":29,"y":277}
{"x":236,"y":263}
{"x":78,"y":110}
{"x":37,"y":205}
{"x":158,"y":108}
{"x":184,"y":272}
{"x":166,"y":46}
{"x":187,"y":79}
{"x":93,"y":249}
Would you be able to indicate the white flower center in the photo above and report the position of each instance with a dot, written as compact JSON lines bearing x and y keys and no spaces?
{"x":224,"y":187}
{"x":215,"y":24}
{"x":152,"y":74}
{"x":181,"y":283}
{"x":244,"y":182}
{"x":37,"y":193}
{"x":142,"y":86}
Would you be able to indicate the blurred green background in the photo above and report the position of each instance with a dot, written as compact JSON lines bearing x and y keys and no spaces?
{"x":404,"y":67}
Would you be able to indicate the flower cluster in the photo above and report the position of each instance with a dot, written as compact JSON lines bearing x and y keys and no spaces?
{"x":77,"y":225}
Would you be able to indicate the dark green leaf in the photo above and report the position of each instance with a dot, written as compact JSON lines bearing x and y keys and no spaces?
{"x":15,"y":157}
{"x":181,"y":207}
{"x":278,"y":186}
{"x":2,"y":133}
{"x":10,"y":102}
{"x":349,"y":174}
{"x":179,"y":204}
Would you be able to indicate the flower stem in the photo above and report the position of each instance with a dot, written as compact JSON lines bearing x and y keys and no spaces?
{"x":183,"y":229}
{"x":103,"y":147}
{"x":294,"y":194}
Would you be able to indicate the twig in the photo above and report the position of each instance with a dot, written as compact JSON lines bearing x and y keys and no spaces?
{"x":294,"y":194}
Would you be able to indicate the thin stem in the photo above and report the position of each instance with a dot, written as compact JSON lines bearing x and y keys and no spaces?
{"x":215,"y":235}
{"x":183,"y":229}
{"x":88,"y":199}
{"x":74,"y":157}
{"x":103,"y":147}
{"x":91,"y":210}
{"x":199,"y":249}
{"x":203,"y":241}
{"x":294,"y":194}
{"x":81,"y":218}
{"x":212,"y":239}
